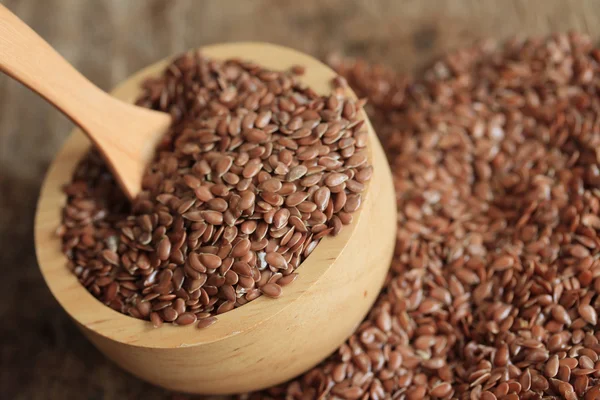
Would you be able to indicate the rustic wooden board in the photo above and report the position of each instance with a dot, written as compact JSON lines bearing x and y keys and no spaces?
{"x":42,"y":355}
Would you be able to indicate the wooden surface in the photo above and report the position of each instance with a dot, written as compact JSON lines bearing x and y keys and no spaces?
{"x":42,"y":354}
{"x":332,"y":293}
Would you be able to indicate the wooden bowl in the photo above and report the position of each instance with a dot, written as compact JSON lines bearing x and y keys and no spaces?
{"x":267,"y":341}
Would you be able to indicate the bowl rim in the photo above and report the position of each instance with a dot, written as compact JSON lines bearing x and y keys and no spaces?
{"x":89,"y":312}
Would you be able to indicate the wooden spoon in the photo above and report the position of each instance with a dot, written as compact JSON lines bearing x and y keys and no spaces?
{"x":125,"y":135}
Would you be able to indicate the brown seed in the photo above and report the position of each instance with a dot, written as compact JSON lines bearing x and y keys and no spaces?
{"x":353,"y":202}
{"x":186,"y":319}
{"x":192,"y":181}
{"x":206,"y":322}
{"x":503,"y":263}
{"x":276,"y":260}
{"x":551,"y":367}
{"x":586,"y":362}
{"x":242,"y":268}
{"x":286,"y":280}
{"x":335,"y":179}
{"x":441,"y":390}
{"x":588,"y":313}
{"x":321,"y":197}
{"x":211,"y":261}
{"x":252,"y":169}
{"x":195,"y":263}
{"x":580,"y":385}
{"x":241,"y":248}
{"x":270,"y":185}
{"x":295,"y":198}
{"x":217,"y":204}
{"x":280,"y":218}
{"x":296,"y":173}
{"x":593,"y":393}
{"x":263,"y":118}
{"x":416,"y":393}
{"x":272,"y":199}
{"x":256,"y":136}
{"x":569,"y":362}
{"x":306,"y":207}
{"x":203,"y":193}
{"x":501,"y":357}
{"x":560,"y":314}
{"x":311,"y":180}
{"x":309,"y":153}
{"x":356,"y":160}
{"x":345,"y":218}
{"x":354,"y":186}
{"x":222,"y":165}
{"x":179,"y":306}
{"x":169,"y":314}
{"x":384,"y":321}
{"x":212,"y":217}
{"x":228,"y":293}
{"x":164,"y":249}
{"x":110,"y":257}
{"x":225,"y":307}
{"x":525,"y":380}
{"x":156,"y":320}
{"x":364,"y":175}
{"x":144,"y":308}
{"x":579,"y":251}
{"x":271,"y":289}
{"x":564,"y":373}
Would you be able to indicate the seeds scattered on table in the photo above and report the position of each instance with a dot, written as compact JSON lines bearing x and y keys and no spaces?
{"x":494,"y":289}
{"x":255,"y":169}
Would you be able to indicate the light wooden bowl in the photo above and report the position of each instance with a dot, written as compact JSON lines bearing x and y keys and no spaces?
{"x":267,"y":341}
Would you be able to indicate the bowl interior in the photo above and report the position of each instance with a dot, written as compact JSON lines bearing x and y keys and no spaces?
{"x":89,"y":311}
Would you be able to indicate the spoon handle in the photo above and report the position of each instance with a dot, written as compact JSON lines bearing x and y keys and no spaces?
{"x":126,"y":135}
{"x":29,"y":59}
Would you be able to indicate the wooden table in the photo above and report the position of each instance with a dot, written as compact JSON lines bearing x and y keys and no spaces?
{"x":42,"y":354}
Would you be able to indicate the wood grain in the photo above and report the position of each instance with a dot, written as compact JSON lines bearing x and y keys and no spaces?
{"x":42,"y":355}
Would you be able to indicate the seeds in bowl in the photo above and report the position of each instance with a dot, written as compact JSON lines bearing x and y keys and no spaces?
{"x":493,"y":292}
{"x":255,"y":170}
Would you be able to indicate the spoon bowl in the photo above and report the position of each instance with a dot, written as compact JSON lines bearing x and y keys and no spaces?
{"x":266,"y":341}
